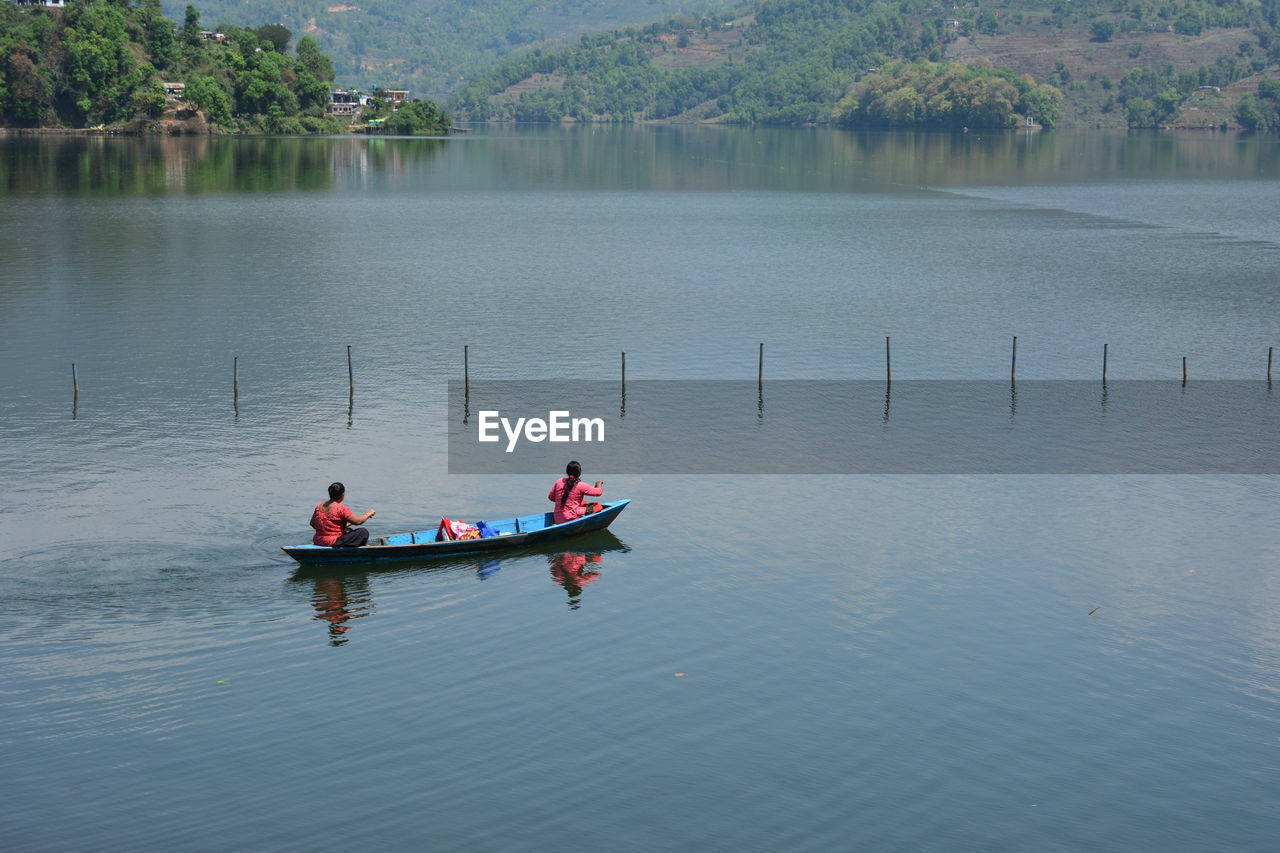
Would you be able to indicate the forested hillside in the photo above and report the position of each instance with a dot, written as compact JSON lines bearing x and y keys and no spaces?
{"x":116,"y":64}
{"x":431,"y":46}
{"x":853,"y":63}
{"x":1141,"y":63}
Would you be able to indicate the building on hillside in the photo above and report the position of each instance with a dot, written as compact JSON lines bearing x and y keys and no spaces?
{"x":174,"y":91}
{"x":344,"y":103}
{"x":58,"y":4}
{"x":394,"y":97}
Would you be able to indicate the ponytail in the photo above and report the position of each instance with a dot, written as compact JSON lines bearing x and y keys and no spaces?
{"x":573,"y":471}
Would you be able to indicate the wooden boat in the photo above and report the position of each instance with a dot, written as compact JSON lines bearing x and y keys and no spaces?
{"x":512,"y":533}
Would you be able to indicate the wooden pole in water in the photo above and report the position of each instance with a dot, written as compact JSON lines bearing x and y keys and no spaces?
{"x":624,"y":370}
{"x":235,"y":376}
{"x":888,"y":369}
{"x":1104,"y":364}
{"x":466,"y":369}
{"x":1269,"y":365}
{"x":351,"y":373}
{"x":75,"y":383}
{"x":1184,"y":370}
{"x":760,"y":374}
{"x":1013,"y":366}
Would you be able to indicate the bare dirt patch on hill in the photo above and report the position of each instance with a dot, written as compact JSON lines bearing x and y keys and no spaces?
{"x":1038,"y":54}
{"x":178,"y":120}
{"x":512,"y":93}
{"x":701,"y":50}
{"x":1081,"y":67}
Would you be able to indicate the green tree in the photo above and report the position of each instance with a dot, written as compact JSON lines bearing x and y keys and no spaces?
{"x":25,"y":93}
{"x":1260,"y":112}
{"x":277,"y":34}
{"x":1103,"y":29}
{"x":150,"y":99}
{"x":262,"y":84}
{"x":313,"y":61}
{"x":275,"y":119}
{"x":928,"y":94}
{"x":991,"y":103}
{"x":418,"y":117}
{"x":160,"y":40}
{"x":96,"y":57}
{"x":206,"y":94}
{"x":191,"y":28}
{"x":1043,"y":105}
{"x":1191,"y":22}
{"x":312,"y":92}
{"x":1249,"y":115}
{"x":1140,"y":112}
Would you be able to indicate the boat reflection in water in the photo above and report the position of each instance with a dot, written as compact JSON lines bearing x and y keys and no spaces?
{"x":341,"y":595}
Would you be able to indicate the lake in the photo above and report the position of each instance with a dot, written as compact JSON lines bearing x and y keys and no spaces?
{"x":759,"y":654}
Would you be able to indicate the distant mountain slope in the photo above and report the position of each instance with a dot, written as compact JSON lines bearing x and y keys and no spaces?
{"x":1108,"y":62}
{"x":431,"y":46}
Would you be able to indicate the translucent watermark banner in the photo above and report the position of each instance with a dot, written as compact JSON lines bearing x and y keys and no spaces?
{"x":864,"y":427}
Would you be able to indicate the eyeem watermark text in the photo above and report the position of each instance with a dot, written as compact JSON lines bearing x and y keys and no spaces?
{"x":866,"y":427}
{"x":560,"y":426}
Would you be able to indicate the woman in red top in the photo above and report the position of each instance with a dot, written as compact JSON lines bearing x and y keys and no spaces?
{"x":568,"y":492}
{"x":332,"y":520}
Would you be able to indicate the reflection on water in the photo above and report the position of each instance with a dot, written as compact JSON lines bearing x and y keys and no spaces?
{"x":338,"y":600}
{"x":719,"y":158}
{"x":604,"y":158}
{"x":114,"y":166}
{"x":573,"y":570}
{"x":341,"y":595}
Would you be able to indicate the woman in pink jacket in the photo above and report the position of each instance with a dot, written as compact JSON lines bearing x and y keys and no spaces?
{"x":568,"y":492}
{"x":334,"y":520}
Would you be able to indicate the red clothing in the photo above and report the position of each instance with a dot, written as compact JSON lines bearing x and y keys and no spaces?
{"x":571,"y":572}
{"x":572,"y":507}
{"x":329,"y":525}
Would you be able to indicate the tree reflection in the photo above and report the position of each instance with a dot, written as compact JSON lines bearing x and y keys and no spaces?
{"x":603,"y":157}
{"x":130,"y":166}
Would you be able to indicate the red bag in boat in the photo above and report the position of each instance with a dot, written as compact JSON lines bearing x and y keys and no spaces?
{"x":456,"y":530}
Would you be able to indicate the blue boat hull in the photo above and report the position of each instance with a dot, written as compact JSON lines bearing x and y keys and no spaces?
{"x":513,"y":533}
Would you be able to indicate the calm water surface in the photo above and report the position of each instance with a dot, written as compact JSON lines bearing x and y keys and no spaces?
{"x":744,"y":662}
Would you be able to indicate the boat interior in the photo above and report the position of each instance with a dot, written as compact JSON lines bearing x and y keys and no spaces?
{"x":505,"y":527}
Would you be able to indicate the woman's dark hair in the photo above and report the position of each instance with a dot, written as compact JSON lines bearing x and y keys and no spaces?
{"x":574,"y":471}
{"x":336,"y":491}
